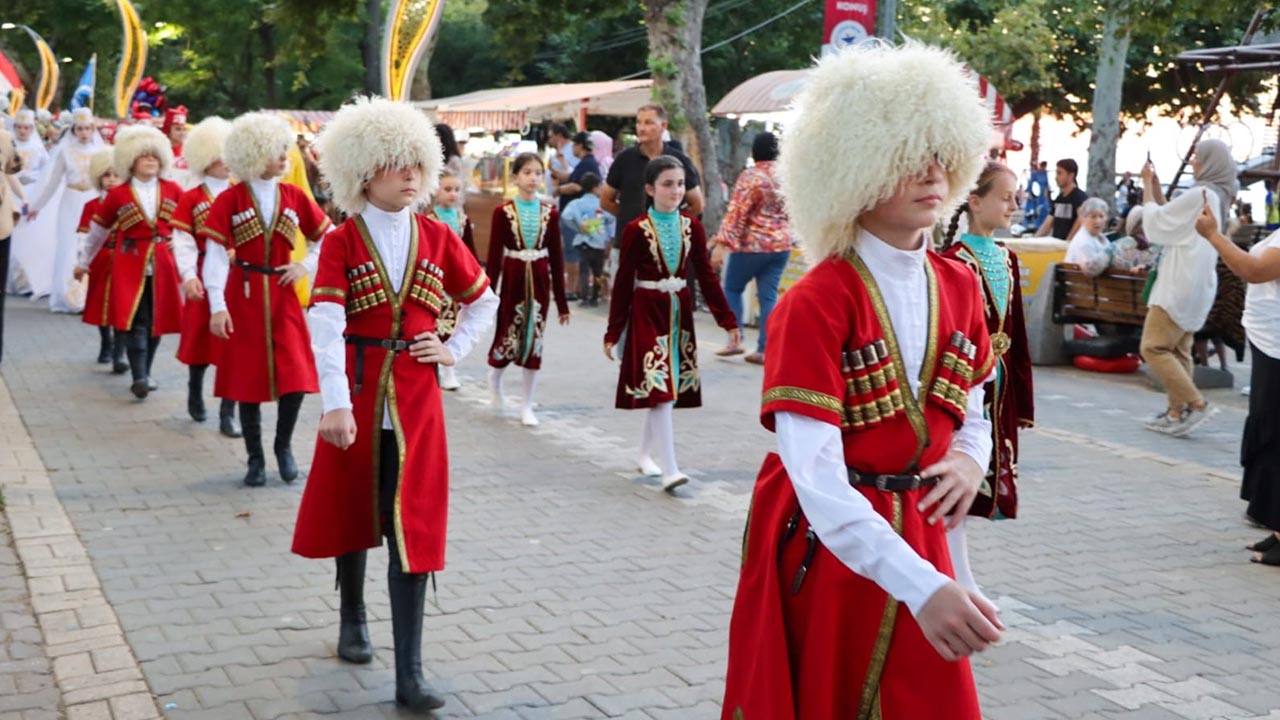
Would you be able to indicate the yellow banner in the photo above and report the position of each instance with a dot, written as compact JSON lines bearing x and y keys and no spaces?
{"x":133,"y":57}
{"x":410,"y":25}
{"x":48,"y":74}
{"x":16,"y":96}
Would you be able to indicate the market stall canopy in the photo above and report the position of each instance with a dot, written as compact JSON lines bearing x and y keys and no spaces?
{"x":773,"y":92}
{"x":499,"y":109}
{"x":305,"y":120}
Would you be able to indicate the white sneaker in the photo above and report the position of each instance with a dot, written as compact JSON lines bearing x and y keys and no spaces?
{"x":528,"y":419}
{"x":648,"y":467}
{"x":1191,"y":420}
{"x":1161,"y":422}
{"x":673,"y":481}
{"x":1245,"y":390}
{"x":448,"y":378}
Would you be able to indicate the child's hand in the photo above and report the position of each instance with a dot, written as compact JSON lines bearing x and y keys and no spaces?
{"x":79,"y":272}
{"x":338,"y":428}
{"x":429,"y":348}
{"x":220,"y":325}
{"x":293,"y":272}
{"x":735,"y":337}
{"x":564,"y":318}
{"x":1206,"y":223}
{"x":193,"y":289}
{"x":608,"y":351}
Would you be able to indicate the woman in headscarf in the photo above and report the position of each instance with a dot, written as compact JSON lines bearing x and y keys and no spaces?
{"x":1186,"y":281}
{"x":602,"y":149}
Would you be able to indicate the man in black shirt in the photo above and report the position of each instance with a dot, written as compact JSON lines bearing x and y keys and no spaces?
{"x":624,"y":194}
{"x":1065,"y":219}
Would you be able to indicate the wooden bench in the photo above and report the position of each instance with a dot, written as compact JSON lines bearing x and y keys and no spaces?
{"x":1113,"y":297}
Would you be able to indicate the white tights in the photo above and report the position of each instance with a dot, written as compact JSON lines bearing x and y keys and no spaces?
{"x":530,"y":378}
{"x":958,"y":543}
{"x":657,"y":437}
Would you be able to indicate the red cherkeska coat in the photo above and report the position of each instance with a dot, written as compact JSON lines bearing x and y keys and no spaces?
{"x":339,"y":512}
{"x":140,"y":242}
{"x":96,"y":301}
{"x":525,"y":285}
{"x":659,"y":362}
{"x":448,"y":319}
{"x":1010,"y":402}
{"x":198,"y":346}
{"x":269,"y":351}
{"x":840,"y":648}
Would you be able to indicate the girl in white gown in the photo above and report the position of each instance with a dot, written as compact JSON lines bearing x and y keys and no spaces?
{"x":71,"y":173}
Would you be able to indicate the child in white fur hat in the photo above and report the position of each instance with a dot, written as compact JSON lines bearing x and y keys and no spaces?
{"x":381,"y":464}
{"x":847,"y":604}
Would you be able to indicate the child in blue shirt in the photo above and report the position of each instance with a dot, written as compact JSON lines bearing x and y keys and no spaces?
{"x":592,"y":230}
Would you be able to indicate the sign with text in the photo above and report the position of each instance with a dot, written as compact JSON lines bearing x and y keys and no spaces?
{"x":848,"y":22}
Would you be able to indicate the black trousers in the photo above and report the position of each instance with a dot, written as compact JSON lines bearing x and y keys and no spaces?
{"x":590,"y":270}
{"x":388,"y":474}
{"x":5,"y":243}
{"x":140,"y":330}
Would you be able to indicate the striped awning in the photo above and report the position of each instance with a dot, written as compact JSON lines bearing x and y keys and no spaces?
{"x":498,"y":109}
{"x":305,"y":120}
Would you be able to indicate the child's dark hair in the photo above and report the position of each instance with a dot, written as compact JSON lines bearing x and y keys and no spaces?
{"x":524,"y":159}
{"x":659,"y":165}
{"x":764,"y":148}
{"x":986,"y":179}
{"x":589,"y":182}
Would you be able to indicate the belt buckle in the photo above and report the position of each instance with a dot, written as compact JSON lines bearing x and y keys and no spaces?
{"x":917,"y":482}
{"x":882,"y":482}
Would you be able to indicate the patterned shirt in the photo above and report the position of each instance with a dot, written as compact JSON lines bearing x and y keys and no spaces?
{"x":756,"y":220}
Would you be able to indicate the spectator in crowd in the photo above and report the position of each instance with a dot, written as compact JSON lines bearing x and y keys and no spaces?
{"x":1185,"y":283}
{"x":603,"y":151}
{"x":1064,"y":221}
{"x":1088,"y":247}
{"x":572,"y":188}
{"x":757,"y":237}
{"x":449,"y":148}
{"x":624,"y":195}
{"x":593,"y":231}
{"x":1128,"y":195}
{"x":1260,"y":446}
{"x":563,"y":161}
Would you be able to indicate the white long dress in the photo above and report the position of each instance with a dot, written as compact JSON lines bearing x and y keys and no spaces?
{"x":71,"y":172}
{"x":31,"y":262}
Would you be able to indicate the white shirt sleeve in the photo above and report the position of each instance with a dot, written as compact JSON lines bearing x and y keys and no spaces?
{"x":185,"y":254}
{"x":474,"y":320}
{"x":974,"y":436}
{"x":53,"y":183}
{"x":312,"y":261}
{"x":93,"y":242}
{"x":327,"y":322}
{"x":845,"y":522}
{"x":1174,"y":223}
{"x":217,"y":265}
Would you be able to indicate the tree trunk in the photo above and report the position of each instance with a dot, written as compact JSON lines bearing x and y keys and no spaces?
{"x":371,"y":46}
{"x":421,"y":87}
{"x":675,"y":57}
{"x":737,"y":151}
{"x":1107,"y":95}
{"x":1035,"y":139}
{"x":267,"y":38}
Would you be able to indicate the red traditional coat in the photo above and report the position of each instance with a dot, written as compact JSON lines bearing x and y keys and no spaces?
{"x":526,"y":285}
{"x":339,"y":512}
{"x":448,"y":319}
{"x":840,"y":648}
{"x":198,"y":346}
{"x":659,"y":362}
{"x":269,"y":351}
{"x":96,"y":301}
{"x":141,"y":242}
{"x":1009,"y":401}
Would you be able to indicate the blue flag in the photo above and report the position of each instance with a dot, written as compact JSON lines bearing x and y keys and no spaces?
{"x":83,"y":96}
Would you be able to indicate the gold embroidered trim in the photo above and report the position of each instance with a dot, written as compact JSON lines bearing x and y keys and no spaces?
{"x":868,"y":707}
{"x":476,"y":286}
{"x":802,"y":395}
{"x":329,"y":292}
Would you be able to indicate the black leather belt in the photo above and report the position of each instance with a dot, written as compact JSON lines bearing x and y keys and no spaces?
{"x":264,"y":269}
{"x":890,"y":483}
{"x":361,"y":342}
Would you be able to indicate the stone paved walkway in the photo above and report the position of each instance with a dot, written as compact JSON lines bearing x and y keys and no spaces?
{"x":576,"y":590}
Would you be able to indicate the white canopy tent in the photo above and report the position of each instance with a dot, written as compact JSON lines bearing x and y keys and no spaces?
{"x":516,"y":108}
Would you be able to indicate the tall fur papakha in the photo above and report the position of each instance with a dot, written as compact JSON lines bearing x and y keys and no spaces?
{"x":373,"y":133}
{"x":869,"y":118}
{"x":253,"y":140}
{"x":99,"y":163}
{"x":134,"y":141}
{"x":204,"y":144}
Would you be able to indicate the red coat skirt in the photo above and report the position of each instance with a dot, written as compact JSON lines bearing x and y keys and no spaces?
{"x":95,"y":301}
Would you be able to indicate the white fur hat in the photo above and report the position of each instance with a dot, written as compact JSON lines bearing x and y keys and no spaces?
{"x":374,"y":133}
{"x":25,"y":117}
{"x":870,"y":117}
{"x":135,"y":141}
{"x":204,"y":144}
{"x":253,"y":140}
{"x":99,"y":162}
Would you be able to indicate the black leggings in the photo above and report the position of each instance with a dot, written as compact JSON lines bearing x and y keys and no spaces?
{"x":388,"y":477}
{"x":4,"y":280}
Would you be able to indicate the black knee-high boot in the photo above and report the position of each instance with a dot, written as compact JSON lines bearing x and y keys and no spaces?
{"x":104,"y":348}
{"x":353,"y":633}
{"x":119,"y":342}
{"x":408,"y":595}
{"x":251,"y":425}
{"x":286,"y":419}
{"x":153,"y":345}
{"x":137,"y":351}
{"x":227,"y":423}
{"x":195,"y":392}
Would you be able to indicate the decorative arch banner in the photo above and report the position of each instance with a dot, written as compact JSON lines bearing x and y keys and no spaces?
{"x":410,"y":25}
{"x":133,"y":57}
{"x":48,"y":71}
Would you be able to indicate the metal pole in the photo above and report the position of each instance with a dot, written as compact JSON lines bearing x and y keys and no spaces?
{"x":886,"y":19}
